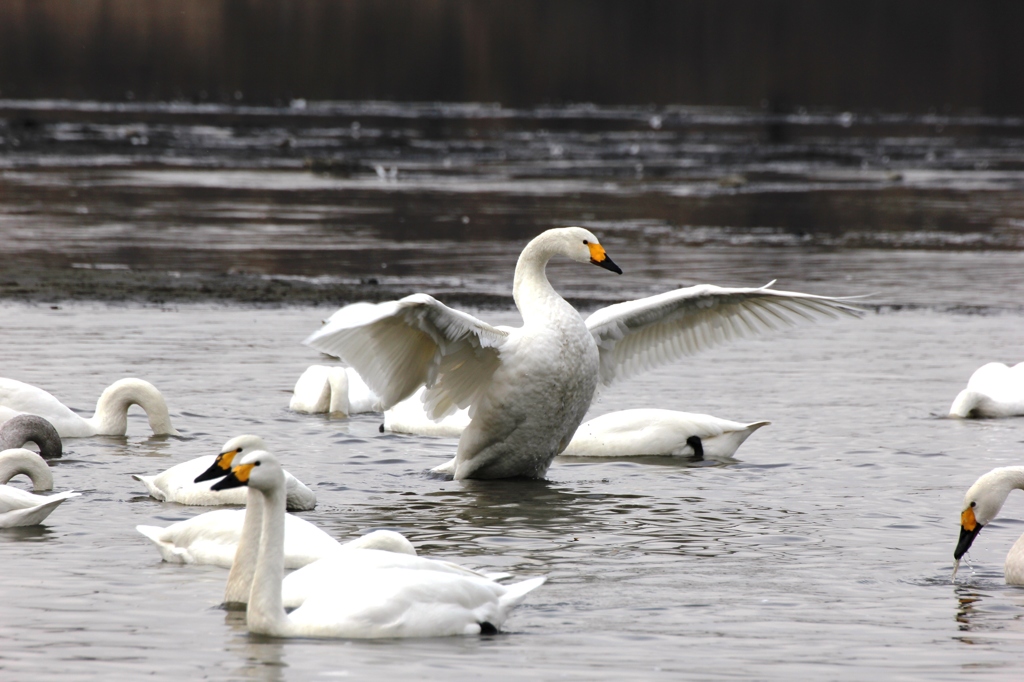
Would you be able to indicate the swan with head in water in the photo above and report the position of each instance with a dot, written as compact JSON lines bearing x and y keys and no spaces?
{"x":528,"y":388}
{"x":335,"y":390}
{"x":626,"y":433}
{"x":982,"y":503}
{"x":361,"y":603}
{"x":180,"y":483}
{"x":993,"y":391}
{"x":110,"y":418}
{"x":19,"y":507}
{"x":30,"y":428}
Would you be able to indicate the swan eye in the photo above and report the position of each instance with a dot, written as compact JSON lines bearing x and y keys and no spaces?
{"x":585,"y":241}
{"x":973,"y":503}
{"x":256,"y":463}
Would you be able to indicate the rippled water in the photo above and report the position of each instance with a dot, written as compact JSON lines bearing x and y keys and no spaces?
{"x":823,"y":551}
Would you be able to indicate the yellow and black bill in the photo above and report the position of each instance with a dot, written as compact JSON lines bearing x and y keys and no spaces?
{"x":599,"y":257}
{"x":220,"y":467}
{"x":238,"y":477}
{"x":969,"y":529}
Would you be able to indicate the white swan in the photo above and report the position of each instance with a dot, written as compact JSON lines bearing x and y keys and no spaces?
{"x":528,"y":388}
{"x":334,"y":390}
{"x":994,"y":390}
{"x":180,"y":484}
{"x":359,"y":603}
{"x":110,"y":419}
{"x":982,"y":503}
{"x":19,"y":507}
{"x":631,"y":433}
{"x":627,"y":433}
{"x":26,"y":428}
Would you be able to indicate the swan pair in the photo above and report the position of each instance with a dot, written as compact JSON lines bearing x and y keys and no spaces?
{"x":627,"y":433}
{"x":360,"y":600}
{"x":528,"y":388}
{"x":982,"y":503}
{"x":19,"y":507}
{"x":110,"y":418}
{"x":993,"y":391}
{"x":178,"y":484}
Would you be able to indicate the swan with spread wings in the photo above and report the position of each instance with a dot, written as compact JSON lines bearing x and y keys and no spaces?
{"x":529,"y":387}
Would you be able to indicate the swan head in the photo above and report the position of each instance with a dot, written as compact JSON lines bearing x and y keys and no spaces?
{"x":259,"y":469}
{"x":982,"y":503}
{"x":577,"y":243}
{"x":236,"y":446}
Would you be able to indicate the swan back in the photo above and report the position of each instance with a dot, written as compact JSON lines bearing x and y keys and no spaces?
{"x":993,"y":391}
{"x":18,"y":461}
{"x":25,"y":428}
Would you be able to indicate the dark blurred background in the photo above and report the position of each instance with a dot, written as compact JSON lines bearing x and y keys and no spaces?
{"x":892,"y":55}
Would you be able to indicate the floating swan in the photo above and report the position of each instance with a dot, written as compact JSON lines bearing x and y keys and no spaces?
{"x":110,"y":419}
{"x":528,"y":388}
{"x":360,"y":603}
{"x":178,"y":484}
{"x":994,"y":390}
{"x":332,"y":389}
{"x":25,"y":428}
{"x":379,"y":549}
{"x":627,"y":433}
{"x":982,"y":503}
{"x":19,"y":507}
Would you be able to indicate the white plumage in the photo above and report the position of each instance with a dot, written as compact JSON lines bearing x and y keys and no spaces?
{"x":993,"y":391}
{"x":982,"y":504}
{"x":177,"y":484}
{"x":19,"y":507}
{"x":110,"y":418}
{"x":528,"y":388}
{"x":322,"y":389}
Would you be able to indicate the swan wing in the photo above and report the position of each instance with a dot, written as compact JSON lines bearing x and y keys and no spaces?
{"x":401,"y":345}
{"x":635,"y":336}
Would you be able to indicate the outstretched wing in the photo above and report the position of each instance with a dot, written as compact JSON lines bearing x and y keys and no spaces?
{"x":401,"y":345}
{"x":639,"y":335}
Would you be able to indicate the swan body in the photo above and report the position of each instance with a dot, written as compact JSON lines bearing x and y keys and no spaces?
{"x":341,"y":390}
{"x":410,"y":416}
{"x":177,"y":484}
{"x":110,"y":418}
{"x":981,"y":505}
{"x":213,"y":537}
{"x":528,"y":388}
{"x":637,"y":432}
{"x":25,"y":428}
{"x":360,"y":603}
{"x":19,"y":507}
{"x":993,"y":391}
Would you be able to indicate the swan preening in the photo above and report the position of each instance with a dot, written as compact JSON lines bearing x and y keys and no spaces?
{"x":19,"y":507}
{"x":180,"y":484}
{"x":627,"y":433}
{"x":361,"y":602}
{"x":993,"y":391}
{"x":30,"y":428}
{"x":110,"y":418}
{"x":528,"y":388}
{"x":982,"y":503}
{"x":334,"y":390}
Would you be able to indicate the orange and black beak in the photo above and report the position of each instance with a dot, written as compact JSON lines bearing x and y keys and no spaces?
{"x":599,"y":257}
{"x":220,"y":467}
{"x":238,"y":477}
{"x":969,"y":529}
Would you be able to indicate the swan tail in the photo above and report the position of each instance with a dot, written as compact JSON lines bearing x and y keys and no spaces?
{"x":168,"y":552}
{"x":148,"y":481}
{"x":516,"y":592}
{"x":33,"y":516}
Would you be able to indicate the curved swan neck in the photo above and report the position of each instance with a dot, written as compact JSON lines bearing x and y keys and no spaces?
{"x":111,"y":418}
{"x":534,"y":296}
{"x":337,"y":378}
{"x":26,"y":428}
{"x":21,"y":461}
{"x":243,"y":567}
{"x":991,"y":490}
{"x":265,"y":614}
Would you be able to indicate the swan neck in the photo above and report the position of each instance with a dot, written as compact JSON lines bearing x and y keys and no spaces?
{"x":531,"y":289}
{"x":243,"y":568}
{"x":338,"y":380}
{"x":265,"y":613}
{"x":111,"y":418}
{"x":25,"y":462}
